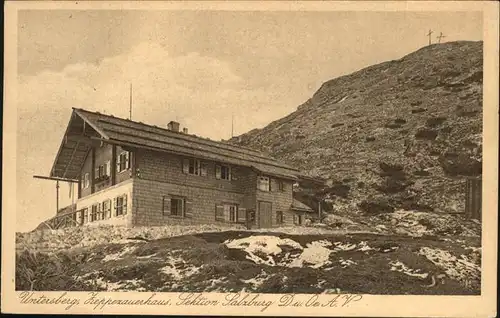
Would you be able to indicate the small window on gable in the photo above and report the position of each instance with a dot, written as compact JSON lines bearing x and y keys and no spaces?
{"x":263,"y":183}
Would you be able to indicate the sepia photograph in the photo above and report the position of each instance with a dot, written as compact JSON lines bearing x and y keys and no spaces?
{"x":250,"y":152}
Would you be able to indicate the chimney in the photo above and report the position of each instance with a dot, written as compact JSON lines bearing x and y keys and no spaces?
{"x":185,"y":130}
{"x":173,"y":126}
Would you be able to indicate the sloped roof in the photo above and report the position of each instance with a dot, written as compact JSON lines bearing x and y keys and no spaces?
{"x":297,"y":205}
{"x":139,"y":135}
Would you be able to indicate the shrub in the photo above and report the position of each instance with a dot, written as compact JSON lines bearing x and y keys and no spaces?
{"x":435,"y":121}
{"x":418,"y":110}
{"x":426,"y":134}
{"x":376,"y":206}
{"x":460,"y":164}
{"x":370,"y":139}
{"x":392,"y":126}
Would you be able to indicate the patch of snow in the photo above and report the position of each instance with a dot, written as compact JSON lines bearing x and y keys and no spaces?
{"x":147,"y":256}
{"x":117,"y":256}
{"x":400,"y":267}
{"x":315,"y":253}
{"x":178,"y":268}
{"x":339,"y":246}
{"x":363,"y":247}
{"x":461,"y":269}
{"x":346,"y":262}
{"x":256,"y":281}
{"x":262,"y":244}
{"x":343,"y":99}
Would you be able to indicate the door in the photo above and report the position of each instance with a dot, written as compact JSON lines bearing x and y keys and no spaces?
{"x":265,"y":214}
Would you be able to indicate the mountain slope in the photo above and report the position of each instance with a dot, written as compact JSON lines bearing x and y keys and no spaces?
{"x":406,"y":132}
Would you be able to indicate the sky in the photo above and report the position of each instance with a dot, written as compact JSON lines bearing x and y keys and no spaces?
{"x":200,"y":68}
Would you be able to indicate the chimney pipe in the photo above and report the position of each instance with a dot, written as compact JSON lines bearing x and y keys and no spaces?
{"x":173,"y":126}
{"x":185,"y":130}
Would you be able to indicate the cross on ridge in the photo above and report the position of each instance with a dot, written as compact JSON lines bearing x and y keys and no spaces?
{"x":429,"y":35}
{"x":440,"y":37}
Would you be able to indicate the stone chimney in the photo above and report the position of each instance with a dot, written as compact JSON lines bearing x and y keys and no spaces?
{"x":185,"y":130}
{"x":173,"y":126}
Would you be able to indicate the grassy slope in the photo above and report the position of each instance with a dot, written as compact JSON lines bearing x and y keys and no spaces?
{"x":209,"y":265}
{"x":422,"y":113}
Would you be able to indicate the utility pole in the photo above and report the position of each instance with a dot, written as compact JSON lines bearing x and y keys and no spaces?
{"x":130,"y":116}
{"x":429,"y":35}
{"x":440,"y":37}
{"x":232,"y":125}
{"x":57,"y":196}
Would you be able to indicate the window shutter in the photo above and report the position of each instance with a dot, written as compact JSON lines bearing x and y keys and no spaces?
{"x":166,"y":205}
{"x":218,"y":172}
{"x":188,"y":212}
{"x":230,"y":173}
{"x":185,"y":165}
{"x":118,"y":162}
{"x":242,"y":215}
{"x":115,"y":201}
{"x":125,"y":204}
{"x":108,"y":168}
{"x":127,"y":160}
{"x":96,"y":173}
{"x":295,"y":219}
{"x":203,"y":169}
{"x":219,"y":212}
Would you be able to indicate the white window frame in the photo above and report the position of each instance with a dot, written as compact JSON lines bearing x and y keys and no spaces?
{"x":223,"y":172}
{"x":86,"y":180}
{"x":182,"y":206}
{"x":264,"y":183}
{"x":123,"y":165}
{"x":194,"y":167}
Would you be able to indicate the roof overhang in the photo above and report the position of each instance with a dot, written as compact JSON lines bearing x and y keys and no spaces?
{"x":75,"y":145}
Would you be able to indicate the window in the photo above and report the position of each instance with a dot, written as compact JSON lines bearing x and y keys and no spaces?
{"x":281,"y":185}
{"x":123,"y":161}
{"x":106,"y":209}
{"x":177,"y":207}
{"x":297,"y":219}
{"x":263,"y":184}
{"x":95,"y":212}
{"x":86,"y":180}
{"x":279,"y":217}
{"x":102,"y":171}
{"x":222,"y":172}
{"x":194,"y":167}
{"x":85,"y":215}
{"x":227,"y":213}
{"x":121,"y":205}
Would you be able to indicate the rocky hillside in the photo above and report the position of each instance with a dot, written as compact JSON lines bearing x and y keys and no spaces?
{"x":400,"y":134}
